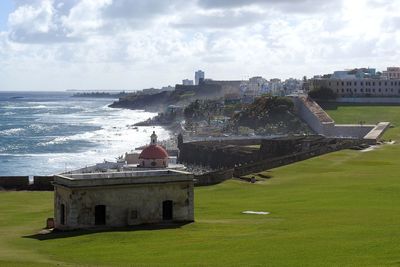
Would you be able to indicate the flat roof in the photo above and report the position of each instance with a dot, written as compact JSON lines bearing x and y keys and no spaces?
{"x":122,"y":178}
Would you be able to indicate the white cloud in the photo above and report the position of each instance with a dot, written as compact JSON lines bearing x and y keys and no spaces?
{"x":60,"y":44}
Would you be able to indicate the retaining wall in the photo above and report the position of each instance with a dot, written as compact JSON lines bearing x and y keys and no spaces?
{"x":40,"y":183}
{"x":350,"y":130}
{"x":311,"y":118}
{"x":14,"y":182}
{"x":212,"y":178}
{"x":285,"y":160}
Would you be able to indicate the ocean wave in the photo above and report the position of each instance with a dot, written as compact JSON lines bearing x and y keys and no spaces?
{"x":40,"y":128}
{"x":9,"y":113}
{"x":76,"y":134}
{"x":55,"y":141}
{"x":12,"y":131}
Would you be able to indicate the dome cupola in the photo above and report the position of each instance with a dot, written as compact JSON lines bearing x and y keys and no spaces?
{"x":154,"y":155}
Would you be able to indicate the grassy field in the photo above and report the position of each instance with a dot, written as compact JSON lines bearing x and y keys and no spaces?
{"x":338,"y":209}
{"x":368,"y":114}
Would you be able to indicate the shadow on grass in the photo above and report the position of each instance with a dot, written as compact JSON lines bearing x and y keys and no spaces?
{"x":56,"y":234}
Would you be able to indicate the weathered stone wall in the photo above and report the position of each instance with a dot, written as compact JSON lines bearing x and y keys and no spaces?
{"x":311,"y":118}
{"x":218,"y":154}
{"x":42,"y":183}
{"x":212,"y":178}
{"x":355,"y":131}
{"x":228,"y":154}
{"x":14,"y":182}
{"x":271,"y":163}
{"x":121,"y":202}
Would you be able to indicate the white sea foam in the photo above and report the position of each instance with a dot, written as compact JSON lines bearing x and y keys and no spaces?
{"x":112,"y":135}
{"x":12,"y":131}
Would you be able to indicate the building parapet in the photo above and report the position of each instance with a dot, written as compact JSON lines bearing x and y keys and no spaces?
{"x":122,"y":178}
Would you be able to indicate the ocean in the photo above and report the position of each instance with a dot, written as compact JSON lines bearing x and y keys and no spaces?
{"x":43,"y":133}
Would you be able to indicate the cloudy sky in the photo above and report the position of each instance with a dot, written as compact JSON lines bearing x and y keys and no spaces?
{"x":131,"y":44}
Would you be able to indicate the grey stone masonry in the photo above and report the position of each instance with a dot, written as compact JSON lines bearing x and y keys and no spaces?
{"x":121,"y":199}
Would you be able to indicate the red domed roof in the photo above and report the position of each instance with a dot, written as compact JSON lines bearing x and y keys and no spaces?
{"x":153,"y":152}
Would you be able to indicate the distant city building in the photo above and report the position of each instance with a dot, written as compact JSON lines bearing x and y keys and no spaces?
{"x":359,"y":87}
{"x":187,"y":82}
{"x":391,"y":73}
{"x":363,"y":82}
{"x":168,"y":88}
{"x":354,"y":74}
{"x":198,"y":76}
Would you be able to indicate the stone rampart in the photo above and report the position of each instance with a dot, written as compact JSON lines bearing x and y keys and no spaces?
{"x":212,"y":178}
{"x":320,"y":122}
{"x":219,"y":154}
{"x":311,"y":113}
{"x":42,"y":183}
{"x":267,"y":164}
{"x":14,"y":182}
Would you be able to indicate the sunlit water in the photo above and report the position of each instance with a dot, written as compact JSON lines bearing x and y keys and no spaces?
{"x":46,"y":133}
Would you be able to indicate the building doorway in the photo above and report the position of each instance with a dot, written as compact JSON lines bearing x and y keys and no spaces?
{"x":62,"y":214}
{"x":167,"y":210}
{"x":100,"y":215}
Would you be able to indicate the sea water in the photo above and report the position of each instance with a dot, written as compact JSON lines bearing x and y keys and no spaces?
{"x":44,"y":133}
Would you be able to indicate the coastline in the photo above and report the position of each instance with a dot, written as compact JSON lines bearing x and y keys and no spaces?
{"x":46,"y":133}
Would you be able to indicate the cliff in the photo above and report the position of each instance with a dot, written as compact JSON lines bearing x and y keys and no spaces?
{"x":181,"y":96}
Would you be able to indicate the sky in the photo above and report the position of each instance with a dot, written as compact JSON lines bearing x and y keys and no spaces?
{"x":133,"y":44}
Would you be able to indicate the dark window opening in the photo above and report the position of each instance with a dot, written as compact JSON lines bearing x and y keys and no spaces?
{"x":62,"y":214}
{"x":100,"y":215}
{"x":153,"y":163}
{"x":134,"y":214}
{"x":167,"y":212}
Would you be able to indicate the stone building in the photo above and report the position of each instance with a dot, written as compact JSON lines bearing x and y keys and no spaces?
{"x":359,"y":87}
{"x":120,"y":199}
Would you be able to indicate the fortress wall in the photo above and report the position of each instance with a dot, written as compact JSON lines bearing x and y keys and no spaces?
{"x":212,"y":178}
{"x":14,"y":182}
{"x":350,"y":131}
{"x":310,"y":117}
{"x":42,"y":183}
{"x":214,"y":155}
{"x":285,"y":160}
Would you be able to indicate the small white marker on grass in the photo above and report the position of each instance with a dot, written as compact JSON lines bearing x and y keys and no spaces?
{"x":255,"y":212}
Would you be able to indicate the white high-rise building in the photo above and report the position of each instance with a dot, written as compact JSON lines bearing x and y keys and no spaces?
{"x":198,"y":75}
{"x":187,"y":82}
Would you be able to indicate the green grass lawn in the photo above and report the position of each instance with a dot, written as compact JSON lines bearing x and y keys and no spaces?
{"x":370,"y":115}
{"x":339,"y":209}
